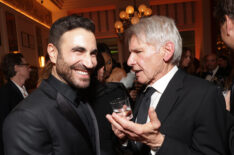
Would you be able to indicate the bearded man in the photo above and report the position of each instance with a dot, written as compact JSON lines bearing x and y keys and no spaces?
{"x":55,"y":118}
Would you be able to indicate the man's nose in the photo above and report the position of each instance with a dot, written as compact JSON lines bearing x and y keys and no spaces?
{"x":131,"y":60}
{"x":90,"y":61}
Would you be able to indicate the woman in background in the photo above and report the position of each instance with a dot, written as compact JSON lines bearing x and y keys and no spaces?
{"x":186,"y":61}
{"x":113,"y":73}
{"x":99,"y":95}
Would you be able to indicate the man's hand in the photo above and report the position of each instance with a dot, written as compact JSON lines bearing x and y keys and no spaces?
{"x":115,"y":127}
{"x":146,"y":133}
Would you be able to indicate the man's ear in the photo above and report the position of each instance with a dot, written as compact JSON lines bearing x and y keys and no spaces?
{"x":52,"y":52}
{"x":16,"y":68}
{"x":169,"y":49}
{"x":229,"y":25}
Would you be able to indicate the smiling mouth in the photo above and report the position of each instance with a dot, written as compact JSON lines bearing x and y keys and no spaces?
{"x":82,"y":72}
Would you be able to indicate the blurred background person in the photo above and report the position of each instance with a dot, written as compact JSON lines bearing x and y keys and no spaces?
{"x":224,"y":65}
{"x":186,"y":61}
{"x":112,"y":73}
{"x":16,"y":70}
{"x":213,"y":72}
{"x":2,"y":80}
{"x":100,"y":94}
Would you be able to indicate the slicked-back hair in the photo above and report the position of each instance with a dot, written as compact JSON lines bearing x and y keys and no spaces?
{"x":68,"y":23}
{"x":8,"y":64}
{"x":224,"y":7}
{"x":156,"y":31}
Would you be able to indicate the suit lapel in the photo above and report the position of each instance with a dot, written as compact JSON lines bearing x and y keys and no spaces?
{"x":96,"y":139}
{"x":170,"y":96}
{"x":14,"y":87}
{"x":77,"y":119}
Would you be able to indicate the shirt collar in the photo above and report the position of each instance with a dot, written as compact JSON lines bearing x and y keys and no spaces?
{"x":215,"y":70}
{"x":161,"y":84}
{"x":65,"y":89}
{"x":22,"y":89}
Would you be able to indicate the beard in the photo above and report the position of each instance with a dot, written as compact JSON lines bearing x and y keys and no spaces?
{"x":69,"y":73}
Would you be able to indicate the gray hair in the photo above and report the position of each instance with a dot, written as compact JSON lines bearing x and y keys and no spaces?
{"x":158,"y":30}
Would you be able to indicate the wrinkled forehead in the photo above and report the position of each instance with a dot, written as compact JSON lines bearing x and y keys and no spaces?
{"x":140,"y":38}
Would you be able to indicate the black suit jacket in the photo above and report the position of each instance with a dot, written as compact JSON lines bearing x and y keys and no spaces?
{"x":101,"y":96}
{"x":193,"y":118}
{"x":36,"y":126}
{"x":10,"y":96}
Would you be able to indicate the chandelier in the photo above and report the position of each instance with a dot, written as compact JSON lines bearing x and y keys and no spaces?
{"x":130,"y":16}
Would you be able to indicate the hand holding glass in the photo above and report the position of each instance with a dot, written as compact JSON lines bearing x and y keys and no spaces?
{"x":122,"y":107}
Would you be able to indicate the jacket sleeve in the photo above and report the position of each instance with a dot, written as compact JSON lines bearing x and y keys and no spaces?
{"x":209,"y":135}
{"x":24,"y":134}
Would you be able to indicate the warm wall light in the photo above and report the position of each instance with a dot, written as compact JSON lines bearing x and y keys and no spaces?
{"x":41,"y":61}
{"x":15,"y":52}
{"x":24,"y":13}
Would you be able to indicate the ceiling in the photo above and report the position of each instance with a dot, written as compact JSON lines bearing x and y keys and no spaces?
{"x":66,"y":5}
{"x":56,"y":6}
{"x":76,"y":4}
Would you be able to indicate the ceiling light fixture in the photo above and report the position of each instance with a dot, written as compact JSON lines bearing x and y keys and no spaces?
{"x":130,"y":16}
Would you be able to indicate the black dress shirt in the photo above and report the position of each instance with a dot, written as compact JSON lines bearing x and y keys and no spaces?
{"x":78,"y":102}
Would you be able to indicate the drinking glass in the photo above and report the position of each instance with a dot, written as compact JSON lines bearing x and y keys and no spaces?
{"x":122,"y":107}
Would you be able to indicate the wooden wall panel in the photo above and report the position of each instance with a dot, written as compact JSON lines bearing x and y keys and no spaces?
{"x":171,"y":11}
{"x":95,"y":20}
{"x":162,"y":9}
{"x":180,"y":14}
{"x":103,"y":21}
{"x":111,"y":20}
{"x":154,"y":10}
{"x":32,"y":8}
{"x":86,"y":14}
{"x":188,"y":14}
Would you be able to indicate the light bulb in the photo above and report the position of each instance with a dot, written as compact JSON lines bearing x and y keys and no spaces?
{"x":142,"y":8}
{"x":130,"y":9}
{"x":148,"y":12}
{"x":118,"y":24}
{"x":123,"y":15}
{"x":134,"y":20}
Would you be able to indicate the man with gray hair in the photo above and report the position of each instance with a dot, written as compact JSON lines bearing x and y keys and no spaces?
{"x":177,"y":113}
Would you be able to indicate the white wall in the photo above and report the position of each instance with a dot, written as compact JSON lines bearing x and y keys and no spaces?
{"x":23,"y":24}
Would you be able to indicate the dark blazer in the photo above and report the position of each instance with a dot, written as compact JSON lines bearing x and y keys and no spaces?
{"x":193,"y":118}
{"x":10,"y":96}
{"x":102,"y":95}
{"x":36,"y":127}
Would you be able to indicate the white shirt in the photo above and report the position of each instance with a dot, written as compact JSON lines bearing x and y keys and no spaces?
{"x":160,"y":87}
{"x":129,"y":79}
{"x":22,"y":89}
{"x":211,"y":77}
